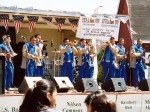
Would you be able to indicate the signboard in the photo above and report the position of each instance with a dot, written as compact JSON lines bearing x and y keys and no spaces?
{"x":145,"y":103}
{"x":129,"y":103}
{"x":102,"y":27}
{"x":71,"y":103}
{"x":10,"y":103}
{"x":75,"y":102}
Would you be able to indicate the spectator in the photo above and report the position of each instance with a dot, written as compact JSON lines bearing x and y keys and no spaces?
{"x":41,"y":98}
{"x":98,"y":102}
{"x":88,"y":100}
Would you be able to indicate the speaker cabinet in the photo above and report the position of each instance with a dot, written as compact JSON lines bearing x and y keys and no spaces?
{"x":144,"y":85}
{"x":114,"y":84}
{"x":63,"y":84}
{"x":28,"y":82}
{"x":86,"y":85}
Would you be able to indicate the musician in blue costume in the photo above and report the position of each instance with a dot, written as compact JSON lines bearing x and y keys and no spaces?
{"x":39,"y":70}
{"x":86,"y":53}
{"x":29,"y":57}
{"x":7,"y":51}
{"x":121,"y":56}
{"x":67,"y":53}
{"x":136,"y":57}
{"x":108,"y":59}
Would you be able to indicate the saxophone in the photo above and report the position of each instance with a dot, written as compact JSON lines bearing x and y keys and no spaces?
{"x":39,"y":56}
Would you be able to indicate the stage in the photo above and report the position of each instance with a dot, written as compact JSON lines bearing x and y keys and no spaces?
{"x":129,"y":101}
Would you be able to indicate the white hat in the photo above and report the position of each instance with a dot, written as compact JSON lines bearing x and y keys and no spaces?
{"x":4,"y":37}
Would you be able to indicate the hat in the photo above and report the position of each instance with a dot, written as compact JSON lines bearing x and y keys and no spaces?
{"x":4,"y":37}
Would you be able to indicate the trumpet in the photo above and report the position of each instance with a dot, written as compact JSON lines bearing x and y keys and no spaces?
{"x":73,"y":43}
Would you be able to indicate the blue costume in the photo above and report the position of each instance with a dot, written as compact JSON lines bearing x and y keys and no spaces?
{"x":30,"y":54}
{"x":39,"y":70}
{"x":67,"y":61}
{"x":9,"y":69}
{"x":121,"y":72}
{"x":86,"y":67}
{"x":139,"y":67}
{"x":108,"y":63}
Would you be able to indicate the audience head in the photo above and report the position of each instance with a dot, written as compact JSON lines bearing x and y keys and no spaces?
{"x":98,"y":102}
{"x":42,"y":96}
{"x":88,"y":100}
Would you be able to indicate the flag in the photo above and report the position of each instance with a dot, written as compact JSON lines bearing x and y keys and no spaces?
{"x":4,"y":18}
{"x":74,"y":23}
{"x":48,"y":20}
{"x":32,"y":21}
{"x":60,"y":22}
{"x":18,"y":19}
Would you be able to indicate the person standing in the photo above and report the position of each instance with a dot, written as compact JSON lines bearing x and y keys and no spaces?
{"x":108,"y":59}
{"x":92,"y":54}
{"x":9,"y":53}
{"x":67,"y":52}
{"x":85,"y":62}
{"x":136,"y":62}
{"x":39,"y":70}
{"x":121,"y":56}
{"x":29,"y":57}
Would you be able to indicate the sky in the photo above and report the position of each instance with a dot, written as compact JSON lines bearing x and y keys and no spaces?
{"x":83,"y":6}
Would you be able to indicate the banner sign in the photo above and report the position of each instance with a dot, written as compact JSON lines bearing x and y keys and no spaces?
{"x":145,"y":103}
{"x":129,"y":103}
{"x":102,"y":27}
{"x":75,"y":102}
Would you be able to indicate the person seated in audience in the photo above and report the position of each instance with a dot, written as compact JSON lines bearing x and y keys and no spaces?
{"x":88,"y":100}
{"x":42,"y":98}
{"x":98,"y":102}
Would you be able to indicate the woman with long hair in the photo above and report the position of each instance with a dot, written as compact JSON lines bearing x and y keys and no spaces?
{"x":40,"y":98}
{"x":98,"y":102}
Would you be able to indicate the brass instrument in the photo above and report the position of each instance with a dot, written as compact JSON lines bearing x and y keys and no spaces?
{"x":73,"y":43}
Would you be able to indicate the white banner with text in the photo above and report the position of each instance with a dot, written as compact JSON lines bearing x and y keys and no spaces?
{"x":102,"y":27}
